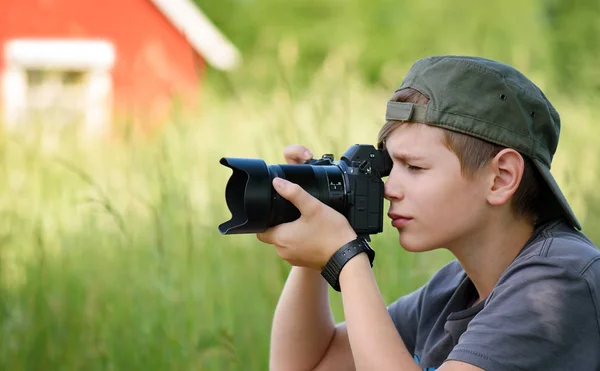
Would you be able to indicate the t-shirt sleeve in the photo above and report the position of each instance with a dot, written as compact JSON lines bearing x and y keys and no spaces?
{"x":413,"y":313}
{"x":540,"y":316}
{"x":405,"y":315}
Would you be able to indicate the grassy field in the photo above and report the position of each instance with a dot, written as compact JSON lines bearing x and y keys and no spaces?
{"x":109,"y":252}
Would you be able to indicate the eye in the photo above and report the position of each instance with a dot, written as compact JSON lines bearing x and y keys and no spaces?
{"x":413,"y":167}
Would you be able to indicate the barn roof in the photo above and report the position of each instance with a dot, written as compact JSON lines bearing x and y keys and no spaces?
{"x":200,"y":32}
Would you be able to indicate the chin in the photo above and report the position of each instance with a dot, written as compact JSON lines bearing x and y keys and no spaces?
{"x":414,"y":243}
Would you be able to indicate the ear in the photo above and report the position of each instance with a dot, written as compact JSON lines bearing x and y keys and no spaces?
{"x":506,"y":169}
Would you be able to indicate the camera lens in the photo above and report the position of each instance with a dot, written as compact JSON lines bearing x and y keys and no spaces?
{"x":256,"y":206}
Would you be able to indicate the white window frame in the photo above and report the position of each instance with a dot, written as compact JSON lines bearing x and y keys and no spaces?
{"x":97,"y":57}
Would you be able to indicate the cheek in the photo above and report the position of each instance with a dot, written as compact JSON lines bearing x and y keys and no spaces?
{"x":443,"y":198}
{"x":442,"y":206}
{"x":466,"y":205}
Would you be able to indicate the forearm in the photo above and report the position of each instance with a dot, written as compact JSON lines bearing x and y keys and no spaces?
{"x":375,"y":342}
{"x":303,"y":325}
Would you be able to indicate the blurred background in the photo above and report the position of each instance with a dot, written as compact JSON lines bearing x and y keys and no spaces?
{"x":115,"y":114}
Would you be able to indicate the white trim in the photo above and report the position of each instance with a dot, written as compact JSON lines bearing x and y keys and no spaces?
{"x":200,"y":33}
{"x":60,"y":53}
{"x":14,"y":94}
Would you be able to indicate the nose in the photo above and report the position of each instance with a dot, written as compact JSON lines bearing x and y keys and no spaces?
{"x":392,"y":189}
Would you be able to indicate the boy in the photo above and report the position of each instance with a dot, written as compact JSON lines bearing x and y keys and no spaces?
{"x":471,"y":142}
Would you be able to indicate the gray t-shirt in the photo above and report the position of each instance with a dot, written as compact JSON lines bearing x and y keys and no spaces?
{"x":543,"y":314}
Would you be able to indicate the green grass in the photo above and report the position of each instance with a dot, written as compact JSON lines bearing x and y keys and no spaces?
{"x":110,"y":256}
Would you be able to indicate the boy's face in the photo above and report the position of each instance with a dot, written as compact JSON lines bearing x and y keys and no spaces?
{"x":431,"y":203}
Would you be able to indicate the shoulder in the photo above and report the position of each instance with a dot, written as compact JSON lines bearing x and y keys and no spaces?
{"x":432,"y":296}
{"x":560,"y":268}
{"x":559,"y":245}
{"x":436,"y":293}
{"x":441,"y":285}
{"x":544,"y":310}
{"x":554,"y":282}
{"x":447,"y":278}
{"x":558,"y":260}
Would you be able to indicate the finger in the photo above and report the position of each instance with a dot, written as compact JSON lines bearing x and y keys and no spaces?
{"x":292,"y":192}
{"x":282,"y":252}
{"x":266,"y":237}
{"x":273,"y":235}
{"x":296,"y":154}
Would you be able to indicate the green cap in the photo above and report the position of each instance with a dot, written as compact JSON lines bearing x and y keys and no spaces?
{"x":490,"y":101}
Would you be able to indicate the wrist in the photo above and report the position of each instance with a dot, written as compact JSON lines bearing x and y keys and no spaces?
{"x":338,"y":261}
{"x":353,"y":268}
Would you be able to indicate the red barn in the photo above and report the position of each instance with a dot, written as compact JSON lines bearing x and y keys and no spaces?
{"x":92,"y":61}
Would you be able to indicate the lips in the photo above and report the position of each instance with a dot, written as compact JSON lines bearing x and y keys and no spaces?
{"x":399,"y":220}
{"x":393,"y":216}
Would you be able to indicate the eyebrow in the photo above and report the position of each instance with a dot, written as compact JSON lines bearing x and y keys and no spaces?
{"x":403,"y":156}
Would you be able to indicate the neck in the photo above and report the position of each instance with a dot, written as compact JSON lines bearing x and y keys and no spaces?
{"x":488,"y":252}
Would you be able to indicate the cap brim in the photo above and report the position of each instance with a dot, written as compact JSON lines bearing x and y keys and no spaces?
{"x":558,"y":195}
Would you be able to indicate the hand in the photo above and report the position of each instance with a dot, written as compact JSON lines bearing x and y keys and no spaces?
{"x":320,"y":231}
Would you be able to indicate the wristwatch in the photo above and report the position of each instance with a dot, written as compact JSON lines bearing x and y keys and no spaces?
{"x":334,"y":266}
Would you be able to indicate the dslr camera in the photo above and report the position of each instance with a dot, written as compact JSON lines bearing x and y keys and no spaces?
{"x":352,"y":186}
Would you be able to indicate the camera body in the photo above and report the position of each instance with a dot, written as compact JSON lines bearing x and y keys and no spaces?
{"x":352,"y":186}
{"x":362,"y":167}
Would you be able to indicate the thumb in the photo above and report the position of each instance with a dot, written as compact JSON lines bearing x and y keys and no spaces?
{"x":292,"y":192}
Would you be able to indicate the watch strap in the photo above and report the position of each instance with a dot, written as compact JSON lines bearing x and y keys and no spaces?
{"x":331,"y":271}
